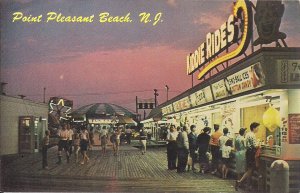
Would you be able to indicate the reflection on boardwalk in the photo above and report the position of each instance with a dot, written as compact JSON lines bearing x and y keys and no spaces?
{"x":130,"y":171}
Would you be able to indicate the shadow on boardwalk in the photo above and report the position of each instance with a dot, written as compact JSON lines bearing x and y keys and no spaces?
{"x":130,"y":171}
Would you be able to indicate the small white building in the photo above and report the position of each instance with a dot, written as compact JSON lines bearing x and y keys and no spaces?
{"x":22,"y":125}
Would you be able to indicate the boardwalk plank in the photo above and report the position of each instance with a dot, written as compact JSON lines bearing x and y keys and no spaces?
{"x":129,"y":171}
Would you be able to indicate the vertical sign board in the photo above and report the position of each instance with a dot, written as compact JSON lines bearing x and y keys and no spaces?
{"x":294,"y":128}
{"x":288,"y":71}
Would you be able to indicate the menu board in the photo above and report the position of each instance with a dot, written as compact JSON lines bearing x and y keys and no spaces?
{"x":201,"y":97}
{"x":294,"y":128}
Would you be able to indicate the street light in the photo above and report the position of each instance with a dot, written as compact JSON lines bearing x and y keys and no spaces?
{"x":167,"y":92}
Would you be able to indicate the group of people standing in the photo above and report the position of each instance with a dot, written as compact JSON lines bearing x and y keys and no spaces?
{"x":217,"y":147}
{"x":182,"y":144}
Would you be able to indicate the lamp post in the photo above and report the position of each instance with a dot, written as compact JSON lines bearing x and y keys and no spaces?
{"x":167,"y":88}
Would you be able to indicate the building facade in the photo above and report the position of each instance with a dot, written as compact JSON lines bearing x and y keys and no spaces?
{"x":22,"y":125}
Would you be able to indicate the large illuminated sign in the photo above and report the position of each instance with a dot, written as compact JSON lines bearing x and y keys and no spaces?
{"x":223,"y":38}
{"x":60,"y":108}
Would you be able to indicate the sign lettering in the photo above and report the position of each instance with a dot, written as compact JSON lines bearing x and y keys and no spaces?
{"x":221,"y":39}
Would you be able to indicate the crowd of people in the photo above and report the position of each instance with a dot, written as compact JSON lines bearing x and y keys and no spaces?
{"x":184,"y":148}
{"x":213,"y":151}
{"x":80,"y":140}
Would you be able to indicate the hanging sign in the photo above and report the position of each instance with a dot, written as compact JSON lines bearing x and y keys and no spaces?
{"x":182,"y":104}
{"x":218,"y":41}
{"x":246,"y":79}
{"x":219,"y":90}
{"x":100,"y":121}
{"x":201,"y":97}
{"x":167,"y":110}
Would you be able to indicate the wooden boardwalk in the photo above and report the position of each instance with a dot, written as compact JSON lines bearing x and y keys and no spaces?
{"x":130,"y":171}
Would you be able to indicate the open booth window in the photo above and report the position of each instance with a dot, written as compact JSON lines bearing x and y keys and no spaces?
{"x":269,"y":139}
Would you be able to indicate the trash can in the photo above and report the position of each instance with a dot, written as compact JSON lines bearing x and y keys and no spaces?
{"x":279,"y":177}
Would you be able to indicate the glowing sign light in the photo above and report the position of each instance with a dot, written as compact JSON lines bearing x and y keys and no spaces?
{"x":60,"y":107}
{"x":221,"y":39}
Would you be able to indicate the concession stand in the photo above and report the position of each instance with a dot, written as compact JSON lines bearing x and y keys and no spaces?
{"x":263,"y":87}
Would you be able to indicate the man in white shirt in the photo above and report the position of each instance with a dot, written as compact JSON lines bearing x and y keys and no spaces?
{"x":223,"y":138}
{"x":251,"y":147}
{"x":63,"y":135}
{"x":172,"y":147}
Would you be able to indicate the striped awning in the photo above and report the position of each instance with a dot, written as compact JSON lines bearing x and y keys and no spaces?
{"x":102,"y":109}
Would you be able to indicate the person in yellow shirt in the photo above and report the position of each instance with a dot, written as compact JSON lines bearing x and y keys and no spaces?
{"x":215,"y":149}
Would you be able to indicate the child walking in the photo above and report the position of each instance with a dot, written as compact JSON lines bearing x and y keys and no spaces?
{"x":45,"y":147}
{"x":226,"y":150}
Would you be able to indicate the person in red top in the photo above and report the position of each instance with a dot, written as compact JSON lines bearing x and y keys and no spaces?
{"x":215,"y":149}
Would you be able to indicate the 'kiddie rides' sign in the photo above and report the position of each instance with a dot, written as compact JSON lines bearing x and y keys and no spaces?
{"x":223,"y":38}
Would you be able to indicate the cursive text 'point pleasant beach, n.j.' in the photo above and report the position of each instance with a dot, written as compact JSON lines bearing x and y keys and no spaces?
{"x":103,"y":17}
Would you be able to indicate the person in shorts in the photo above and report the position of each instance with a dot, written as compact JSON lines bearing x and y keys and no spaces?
{"x":226,"y":151}
{"x":84,"y":143}
{"x":63,"y":135}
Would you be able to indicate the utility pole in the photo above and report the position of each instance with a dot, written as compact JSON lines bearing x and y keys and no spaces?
{"x":167,"y":92}
{"x":44,"y":95}
{"x":136,"y":108}
{"x":155,"y":97}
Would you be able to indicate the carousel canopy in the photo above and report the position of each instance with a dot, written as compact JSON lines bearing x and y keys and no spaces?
{"x":102,"y":109}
